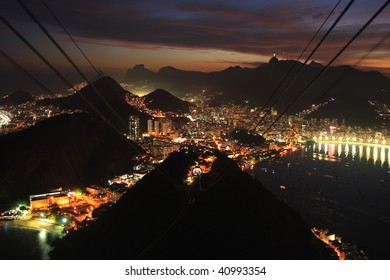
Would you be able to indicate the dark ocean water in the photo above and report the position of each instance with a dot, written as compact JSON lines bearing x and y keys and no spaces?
{"x":24,"y":244}
{"x":343,"y":188}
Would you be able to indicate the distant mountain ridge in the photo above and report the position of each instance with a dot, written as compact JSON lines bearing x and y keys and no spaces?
{"x":67,"y":149}
{"x":139,"y":72}
{"x":350,"y":87}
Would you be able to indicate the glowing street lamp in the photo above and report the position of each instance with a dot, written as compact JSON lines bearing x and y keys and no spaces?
{"x":197,"y":171}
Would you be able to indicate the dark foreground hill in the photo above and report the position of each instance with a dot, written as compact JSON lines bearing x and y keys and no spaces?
{"x":61,"y":151}
{"x":233,"y":217}
{"x":163,"y":100}
{"x":16,"y":98}
{"x":105,"y":98}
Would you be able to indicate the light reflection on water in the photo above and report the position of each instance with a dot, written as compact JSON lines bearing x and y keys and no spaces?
{"x":388,"y":154}
{"x":339,"y":149}
{"x":19,"y":243}
{"x":345,"y":189}
{"x":373,"y":155}
{"x":368,"y":153}
{"x":353,"y":152}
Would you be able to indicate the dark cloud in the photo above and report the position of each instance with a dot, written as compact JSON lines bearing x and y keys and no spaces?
{"x":254,"y":27}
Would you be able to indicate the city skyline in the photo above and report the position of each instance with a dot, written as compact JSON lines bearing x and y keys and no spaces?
{"x":201,"y":37}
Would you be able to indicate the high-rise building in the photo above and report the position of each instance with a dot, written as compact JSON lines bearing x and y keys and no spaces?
{"x":150,"y":126}
{"x":157,"y":127}
{"x":166,"y":126}
{"x":134,"y":128}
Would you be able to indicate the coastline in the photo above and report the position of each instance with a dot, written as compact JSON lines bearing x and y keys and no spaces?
{"x":343,"y":190}
{"x":34,"y":224}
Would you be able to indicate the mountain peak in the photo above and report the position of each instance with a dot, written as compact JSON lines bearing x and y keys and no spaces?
{"x":316,"y":64}
{"x":138,"y":73}
{"x":160,"y":92}
{"x":233,"y":217}
{"x":233,"y":68}
{"x":139,"y":67}
{"x":163,"y":100}
{"x":105,"y":98}
{"x":107,"y":82}
{"x":167,"y":69}
{"x":273,"y":59}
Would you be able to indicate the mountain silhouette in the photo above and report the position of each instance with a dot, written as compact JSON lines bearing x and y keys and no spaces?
{"x":16,"y":98}
{"x":139,"y":73}
{"x":105,"y":98}
{"x":228,"y":215}
{"x":351,"y":96}
{"x":350,"y":87}
{"x":65,"y":150}
{"x":163,"y":100}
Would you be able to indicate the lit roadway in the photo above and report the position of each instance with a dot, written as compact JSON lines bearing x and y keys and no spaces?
{"x":4,"y":119}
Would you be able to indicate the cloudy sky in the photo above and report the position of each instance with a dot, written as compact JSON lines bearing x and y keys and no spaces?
{"x":195,"y":35}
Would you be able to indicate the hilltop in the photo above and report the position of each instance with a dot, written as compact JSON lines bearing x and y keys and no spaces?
{"x":233,"y":217}
{"x":61,"y":151}
{"x":165,"y":101}
{"x":105,"y":98}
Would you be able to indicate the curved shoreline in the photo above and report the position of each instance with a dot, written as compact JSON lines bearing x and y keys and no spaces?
{"x":378,"y":145}
{"x":33,"y":224}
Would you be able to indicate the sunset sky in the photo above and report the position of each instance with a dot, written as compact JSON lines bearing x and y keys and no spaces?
{"x":194,"y":35}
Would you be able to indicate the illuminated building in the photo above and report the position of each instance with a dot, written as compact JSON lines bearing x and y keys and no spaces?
{"x":96,"y":190}
{"x":163,"y":149}
{"x":134,"y":128}
{"x":150,"y":126}
{"x":160,"y":127}
{"x":156,"y":127}
{"x":116,"y":191}
{"x":48,"y":199}
{"x":166,"y":126}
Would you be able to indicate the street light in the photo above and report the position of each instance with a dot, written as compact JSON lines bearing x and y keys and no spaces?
{"x":197,"y":171}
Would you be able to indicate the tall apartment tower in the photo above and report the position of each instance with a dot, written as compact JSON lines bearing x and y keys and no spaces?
{"x":150,"y":126}
{"x":134,"y":128}
{"x":156,"y":128}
